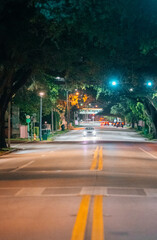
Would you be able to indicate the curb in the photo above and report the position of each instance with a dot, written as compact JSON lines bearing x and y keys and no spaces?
{"x":10,"y":151}
{"x":95,"y":142}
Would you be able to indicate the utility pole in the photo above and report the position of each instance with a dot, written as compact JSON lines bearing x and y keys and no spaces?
{"x":40,"y":119}
{"x":41,"y":94}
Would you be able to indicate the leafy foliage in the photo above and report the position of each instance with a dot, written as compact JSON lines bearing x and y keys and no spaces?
{"x":28,"y":98}
{"x":85,"y":42}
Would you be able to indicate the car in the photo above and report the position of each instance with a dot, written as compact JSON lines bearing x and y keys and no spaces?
{"x":89,"y":130}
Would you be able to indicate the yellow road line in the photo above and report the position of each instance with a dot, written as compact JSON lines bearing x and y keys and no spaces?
{"x":97,"y":227}
{"x":94,"y":162}
{"x":100,"y":164}
{"x":81,"y":220}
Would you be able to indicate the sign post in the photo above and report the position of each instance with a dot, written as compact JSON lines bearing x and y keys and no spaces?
{"x":28,"y":122}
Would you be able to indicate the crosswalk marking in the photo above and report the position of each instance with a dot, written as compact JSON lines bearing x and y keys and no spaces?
{"x":77,"y":191}
{"x":24,"y":192}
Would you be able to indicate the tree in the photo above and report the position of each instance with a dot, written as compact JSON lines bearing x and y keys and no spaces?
{"x":30,"y":43}
{"x":86,"y":42}
{"x":28,"y":99}
{"x":132,"y":111}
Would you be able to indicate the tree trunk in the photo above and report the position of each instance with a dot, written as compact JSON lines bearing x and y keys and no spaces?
{"x":133,"y":124}
{"x":152,"y":113}
{"x":11,"y":83}
{"x":2,"y":129}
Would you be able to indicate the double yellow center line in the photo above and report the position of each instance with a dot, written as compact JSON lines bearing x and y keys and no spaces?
{"x":98,"y":226}
{"x":82,"y":216}
{"x":81,"y":220}
{"x":97,"y":162}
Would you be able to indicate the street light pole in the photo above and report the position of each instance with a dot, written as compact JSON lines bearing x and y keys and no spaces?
{"x":67,"y":110}
{"x":40,"y":133}
{"x":9,"y":128}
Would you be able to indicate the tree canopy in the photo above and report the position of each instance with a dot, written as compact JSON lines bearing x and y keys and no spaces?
{"x":85,"y":42}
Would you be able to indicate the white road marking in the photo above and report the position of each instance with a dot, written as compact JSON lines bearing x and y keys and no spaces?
{"x":94,"y":191}
{"x":23,"y":166}
{"x":39,"y":192}
{"x":150,"y":154}
{"x":29,"y":192}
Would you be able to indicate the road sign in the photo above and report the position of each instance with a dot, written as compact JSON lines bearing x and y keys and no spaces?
{"x":28,"y":120}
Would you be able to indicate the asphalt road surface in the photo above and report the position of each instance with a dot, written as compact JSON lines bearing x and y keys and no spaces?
{"x":107,"y":133}
{"x":79,"y":191}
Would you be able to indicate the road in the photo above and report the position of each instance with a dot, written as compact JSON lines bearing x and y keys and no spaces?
{"x":92,"y":191}
{"x":107,"y":133}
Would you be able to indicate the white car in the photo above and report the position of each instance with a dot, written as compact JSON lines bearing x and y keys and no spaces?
{"x":89,"y":131}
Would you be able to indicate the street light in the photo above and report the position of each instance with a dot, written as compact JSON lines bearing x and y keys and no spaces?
{"x":149,"y":84}
{"x":41,"y":94}
{"x":68,"y":113}
{"x":114,"y":83}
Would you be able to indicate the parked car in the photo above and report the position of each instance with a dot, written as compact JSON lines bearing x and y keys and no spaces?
{"x":89,"y":131}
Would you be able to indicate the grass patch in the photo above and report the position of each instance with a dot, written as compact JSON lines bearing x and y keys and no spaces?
{"x":145,"y":134}
{"x":148,"y":135}
{"x":20,"y":139}
{"x":56,"y":133}
{"x":5,"y":150}
{"x":49,"y":138}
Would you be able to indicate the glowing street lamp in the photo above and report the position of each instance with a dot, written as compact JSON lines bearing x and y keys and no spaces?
{"x":131,"y":89}
{"x":41,"y":94}
{"x":114,"y":83}
{"x":149,"y":83}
